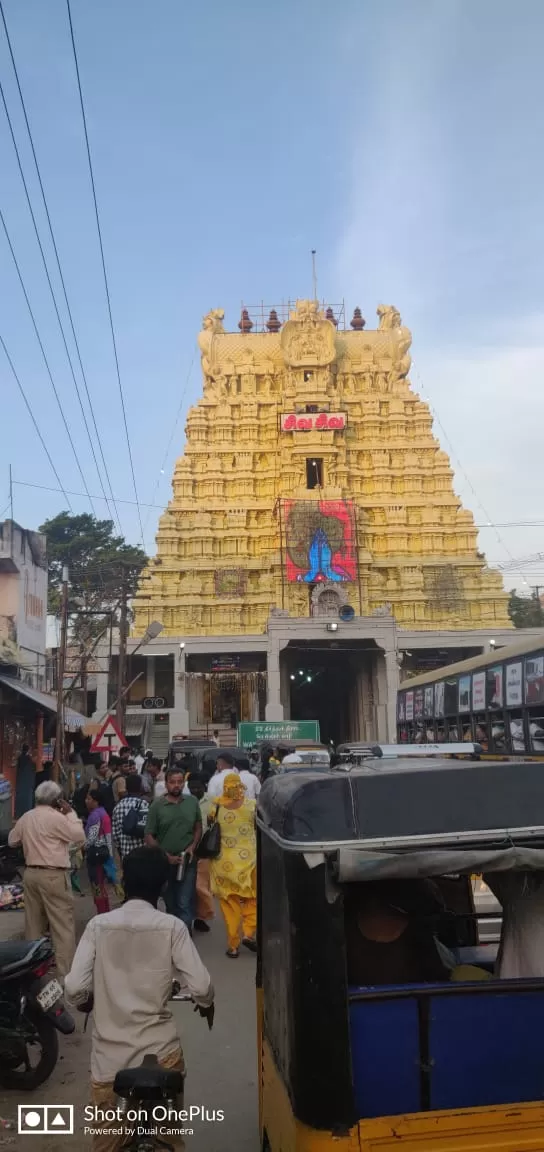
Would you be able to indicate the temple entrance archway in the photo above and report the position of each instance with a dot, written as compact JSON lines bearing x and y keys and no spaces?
{"x":332,"y":682}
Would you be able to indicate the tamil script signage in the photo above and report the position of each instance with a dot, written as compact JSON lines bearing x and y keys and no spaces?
{"x":225,"y":663}
{"x":313,"y":421}
{"x":278,"y":731}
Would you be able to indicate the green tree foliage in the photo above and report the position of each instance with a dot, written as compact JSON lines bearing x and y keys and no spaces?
{"x":100,"y":565}
{"x":525,"y":611}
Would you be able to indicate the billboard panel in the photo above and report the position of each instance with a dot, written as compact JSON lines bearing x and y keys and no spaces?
{"x":320,"y":541}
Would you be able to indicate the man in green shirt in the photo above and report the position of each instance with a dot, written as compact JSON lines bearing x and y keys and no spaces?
{"x":174,"y":823}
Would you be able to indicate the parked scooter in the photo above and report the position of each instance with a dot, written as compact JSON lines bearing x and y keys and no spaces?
{"x":11,"y":861}
{"x":32,"y":1013}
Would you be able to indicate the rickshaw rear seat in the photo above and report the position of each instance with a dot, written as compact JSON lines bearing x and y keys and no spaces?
{"x":446,"y":1051}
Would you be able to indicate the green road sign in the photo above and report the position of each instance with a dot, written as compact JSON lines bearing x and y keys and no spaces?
{"x":278,"y":730}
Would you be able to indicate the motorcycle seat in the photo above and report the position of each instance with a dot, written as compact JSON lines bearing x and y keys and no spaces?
{"x":18,"y":954}
{"x":148,"y":1082}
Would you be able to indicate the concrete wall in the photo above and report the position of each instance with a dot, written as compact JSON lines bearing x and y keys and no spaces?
{"x":23,"y":598}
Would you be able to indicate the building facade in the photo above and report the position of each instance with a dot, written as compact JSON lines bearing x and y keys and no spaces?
{"x":309,"y":440}
{"x":313,"y":536}
{"x":23,"y":601}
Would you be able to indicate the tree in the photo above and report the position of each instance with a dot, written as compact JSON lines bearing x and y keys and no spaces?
{"x":525,"y":611}
{"x":102,"y":569}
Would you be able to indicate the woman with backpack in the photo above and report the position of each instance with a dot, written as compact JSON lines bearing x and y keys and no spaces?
{"x":129,"y":817}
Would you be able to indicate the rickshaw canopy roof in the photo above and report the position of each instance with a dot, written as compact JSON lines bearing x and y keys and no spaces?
{"x":402,"y":805}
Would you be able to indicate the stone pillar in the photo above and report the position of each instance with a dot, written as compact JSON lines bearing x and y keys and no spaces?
{"x":274,"y":707}
{"x":285,"y":690}
{"x":380,"y":697}
{"x":392,"y":673}
{"x":179,"y":717}
{"x":150,"y":676}
{"x":386,"y":685}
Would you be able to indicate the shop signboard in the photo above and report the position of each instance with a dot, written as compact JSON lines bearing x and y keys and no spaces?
{"x":278,"y":731}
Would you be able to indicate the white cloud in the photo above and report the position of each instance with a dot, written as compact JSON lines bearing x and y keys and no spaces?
{"x":490,"y":401}
{"x":432,"y":227}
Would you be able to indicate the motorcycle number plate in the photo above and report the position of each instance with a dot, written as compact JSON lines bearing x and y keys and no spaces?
{"x":49,"y":995}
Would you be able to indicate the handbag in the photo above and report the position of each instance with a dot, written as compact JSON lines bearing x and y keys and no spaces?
{"x":134,"y":821}
{"x":97,"y":853}
{"x":210,"y":844}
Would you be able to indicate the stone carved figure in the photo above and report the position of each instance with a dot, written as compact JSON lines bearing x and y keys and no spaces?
{"x":212,"y":324}
{"x":389,"y":320}
{"x":404,"y":358}
{"x":307,"y":310}
{"x":388,"y":316}
{"x":308,"y":337}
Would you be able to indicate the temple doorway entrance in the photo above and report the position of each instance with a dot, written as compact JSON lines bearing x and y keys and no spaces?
{"x":332,"y":682}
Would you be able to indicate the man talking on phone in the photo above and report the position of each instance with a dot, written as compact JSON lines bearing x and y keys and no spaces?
{"x":45,"y":835}
{"x":174,"y":823}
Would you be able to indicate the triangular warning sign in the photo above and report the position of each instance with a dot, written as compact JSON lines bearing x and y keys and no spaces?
{"x":58,"y":1121}
{"x":109,"y":738}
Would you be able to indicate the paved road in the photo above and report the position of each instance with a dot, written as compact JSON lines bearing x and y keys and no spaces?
{"x":222,"y":1071}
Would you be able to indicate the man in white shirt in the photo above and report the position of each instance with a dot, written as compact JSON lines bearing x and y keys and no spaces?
{"x":225,"y":764}
{"x":126,"y":961}
{"x":139,"y":761}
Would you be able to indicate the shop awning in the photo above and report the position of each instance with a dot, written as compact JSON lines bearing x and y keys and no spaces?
{"x":134,"y":725}
{"x":73,"y":720}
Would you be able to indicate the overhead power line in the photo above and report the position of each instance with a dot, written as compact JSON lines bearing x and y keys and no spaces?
{"x":102,"y":256}
{"x":47,"y":488}
{"x":42,"y":253}
{"x":123,"y":500}
{"x":44,"y":355}
{"x":61,"y":275}
{"x":35,"y":423}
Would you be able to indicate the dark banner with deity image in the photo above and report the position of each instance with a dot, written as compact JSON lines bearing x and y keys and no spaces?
{"x":320,"y":541}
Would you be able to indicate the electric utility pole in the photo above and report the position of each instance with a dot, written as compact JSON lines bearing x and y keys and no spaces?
{"x":122,"y":665}
{"x":61,"y":665}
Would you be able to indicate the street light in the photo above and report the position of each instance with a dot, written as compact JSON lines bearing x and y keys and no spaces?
{"x":152,"y":630}
{"x":151,"y":633}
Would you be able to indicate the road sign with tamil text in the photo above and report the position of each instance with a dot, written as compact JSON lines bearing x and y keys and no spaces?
{"x":277,"y":730}
{"x":109,"y":738}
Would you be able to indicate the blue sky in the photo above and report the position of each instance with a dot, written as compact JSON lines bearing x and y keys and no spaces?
{"x":402,"y":140}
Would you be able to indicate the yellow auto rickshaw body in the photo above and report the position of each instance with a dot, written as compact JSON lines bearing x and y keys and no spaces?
{"x":446,"y":1067}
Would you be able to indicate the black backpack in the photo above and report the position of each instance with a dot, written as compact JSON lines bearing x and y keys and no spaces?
{"x":134,"y":822}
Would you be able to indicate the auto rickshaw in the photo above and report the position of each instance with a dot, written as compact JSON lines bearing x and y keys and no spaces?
{"x":455,"y":1065}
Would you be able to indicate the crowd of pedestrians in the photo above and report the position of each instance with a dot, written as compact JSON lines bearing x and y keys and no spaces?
{"x":135,"y":801}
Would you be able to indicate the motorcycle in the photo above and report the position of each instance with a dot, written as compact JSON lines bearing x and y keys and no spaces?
{"x":32,"y":1013}
{"x":11,"y":861}
{"x":143,"y":1088}
{"x":147,"y":1085}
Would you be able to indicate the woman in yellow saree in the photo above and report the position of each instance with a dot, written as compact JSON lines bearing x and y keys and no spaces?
{"x":233,"y":876}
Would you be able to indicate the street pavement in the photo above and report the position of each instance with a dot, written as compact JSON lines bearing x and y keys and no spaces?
{"x":221,"y":1064}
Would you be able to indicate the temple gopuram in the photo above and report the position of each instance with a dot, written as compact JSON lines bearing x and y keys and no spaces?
{"x":309,"y":439}
{"x":313,"y":528}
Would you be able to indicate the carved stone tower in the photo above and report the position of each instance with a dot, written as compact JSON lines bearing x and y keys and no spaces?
{"x":300,"y":418}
